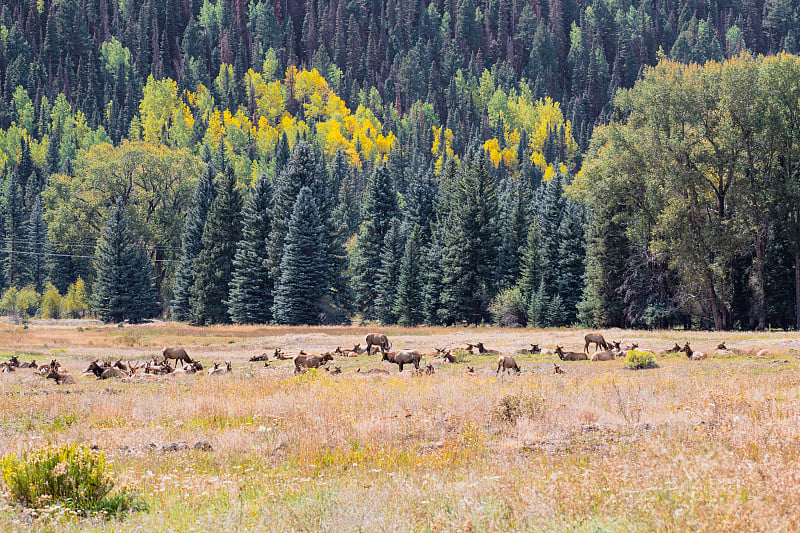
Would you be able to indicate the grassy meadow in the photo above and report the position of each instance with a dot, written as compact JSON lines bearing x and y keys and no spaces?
{"x":708,"y":445}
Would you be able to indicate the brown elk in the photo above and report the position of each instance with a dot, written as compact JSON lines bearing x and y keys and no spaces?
{"x":191,"y":368}
{"x":218,"y":369}
{"x":6,"y":367}
{"x":336,"y":370}
{"x":598,"y":341}
{"x":179,"y":354}
{"x":378,"y":339}
{"x":482,"y":350}
{"x":535,"y":349}
{"x":60,"y":378}
{"x":32,"y":364}
{"x":449,"y":357}
{"x":570,"y":356}
{"x":607,"y":355}
{"x":262,"y":357}
{"x":674,"y":349}
{"x":557,"y":369}
{"x":373,"y":372}
{"x":506,"y":362}
{"x":691,"y":354}
{"x":282,"y":356}
{"x":403,"y":357}
{"x":304,"y":362}
{"x":13,"y":361}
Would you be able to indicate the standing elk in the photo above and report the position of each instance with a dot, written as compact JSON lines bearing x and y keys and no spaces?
{"x":179,"y":354}
{"x":597,"y":339}
{"x":378,"y":339}
{"x":506,"y":362}
{"x":403,"y":357}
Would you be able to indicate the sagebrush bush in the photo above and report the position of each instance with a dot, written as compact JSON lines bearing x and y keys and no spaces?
{"x":640,"y":359}
{"x":71,"y":475}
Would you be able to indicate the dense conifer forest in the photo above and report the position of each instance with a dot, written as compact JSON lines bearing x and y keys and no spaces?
{"x":538,"y":162}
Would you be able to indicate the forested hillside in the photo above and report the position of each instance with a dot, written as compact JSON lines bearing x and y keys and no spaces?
{"x":305,"y":162}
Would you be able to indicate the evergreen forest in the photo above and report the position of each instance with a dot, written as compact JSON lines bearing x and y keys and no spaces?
{"x":613,"y":163}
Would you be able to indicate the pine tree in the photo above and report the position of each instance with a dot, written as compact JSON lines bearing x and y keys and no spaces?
{"x":191,"y":244}
{"x":378,"y":210}
{"x":214,"y":265}
{"x":388,"y":274}
{"x":408,"y":307}
{"x":123,"y":287}
{"x":250,"y":299}
{"x":298,"y":293}
{"x":37,"y":247}
{"x":15,"y":225}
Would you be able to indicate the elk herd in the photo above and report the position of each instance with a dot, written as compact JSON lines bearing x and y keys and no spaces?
{"x":302,"y":361}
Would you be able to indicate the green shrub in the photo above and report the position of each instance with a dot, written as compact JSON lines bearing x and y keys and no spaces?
{"x":513,"y":406}
{"x":71,"y":475}
{"x":640,"y":359}
{"x":509,"y":308}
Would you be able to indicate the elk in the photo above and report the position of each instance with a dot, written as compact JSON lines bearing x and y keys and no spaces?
{"x":6,"y":367}
{"x":217,"y":370}
{"x":506,"y":362}
{"x":374,"y":372}
{"x":557,"y":369}
{"x":263,"y":357}
{"x":348,"y":353}
{"x":691,"y":354}
{"x":607,"y":355}
{"x":179,"y":354}
{"x":282,"y":356}
{"x":378,"y":339}
{"x":674,"y":349}
{"x":535,"y":349}
{"x":470,"y":370}
{"x":304,"y":362}
{"x":449,"y":357}
{"x":598,"y":341}
{"x":60,"y":378}
{"x":32,"y":364}
{"x":403,"y":357}
{"x":191,"y":368}
{"x":570,"y":356}
{"x":13,"y":361}
{"x":482,"y":350}
{"x":336,"y":370}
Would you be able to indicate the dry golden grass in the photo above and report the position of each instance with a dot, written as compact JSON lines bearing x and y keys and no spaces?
{"x":706,"y":445}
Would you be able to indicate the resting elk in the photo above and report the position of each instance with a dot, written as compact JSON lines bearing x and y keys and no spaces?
{"x":691,"y":354}
{"x":304,"y":362}
{"x":570,"y":356}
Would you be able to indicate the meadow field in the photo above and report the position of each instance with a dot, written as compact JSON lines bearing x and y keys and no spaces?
{"x":708,"y":445}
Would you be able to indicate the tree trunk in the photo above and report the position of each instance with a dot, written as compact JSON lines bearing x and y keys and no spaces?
{"x":759,"y":291}
{"x":797,"y":288}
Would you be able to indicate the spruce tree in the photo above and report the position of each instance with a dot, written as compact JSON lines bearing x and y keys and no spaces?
{"x":124,"y":287}
{"x":15,"y":223}
{"x":388,"y":274}
{"x":471,"y":244}
{"x":191,"y":244}
{"x":571,"y":255}
{"x":250,"y":299}
{"x":298,"y":293}
{"x":301,"y":171}
{"x":214,"y":265}
{"x":378,"y":210}
{"x":408,"y":307}
{"x":37,"y":247}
